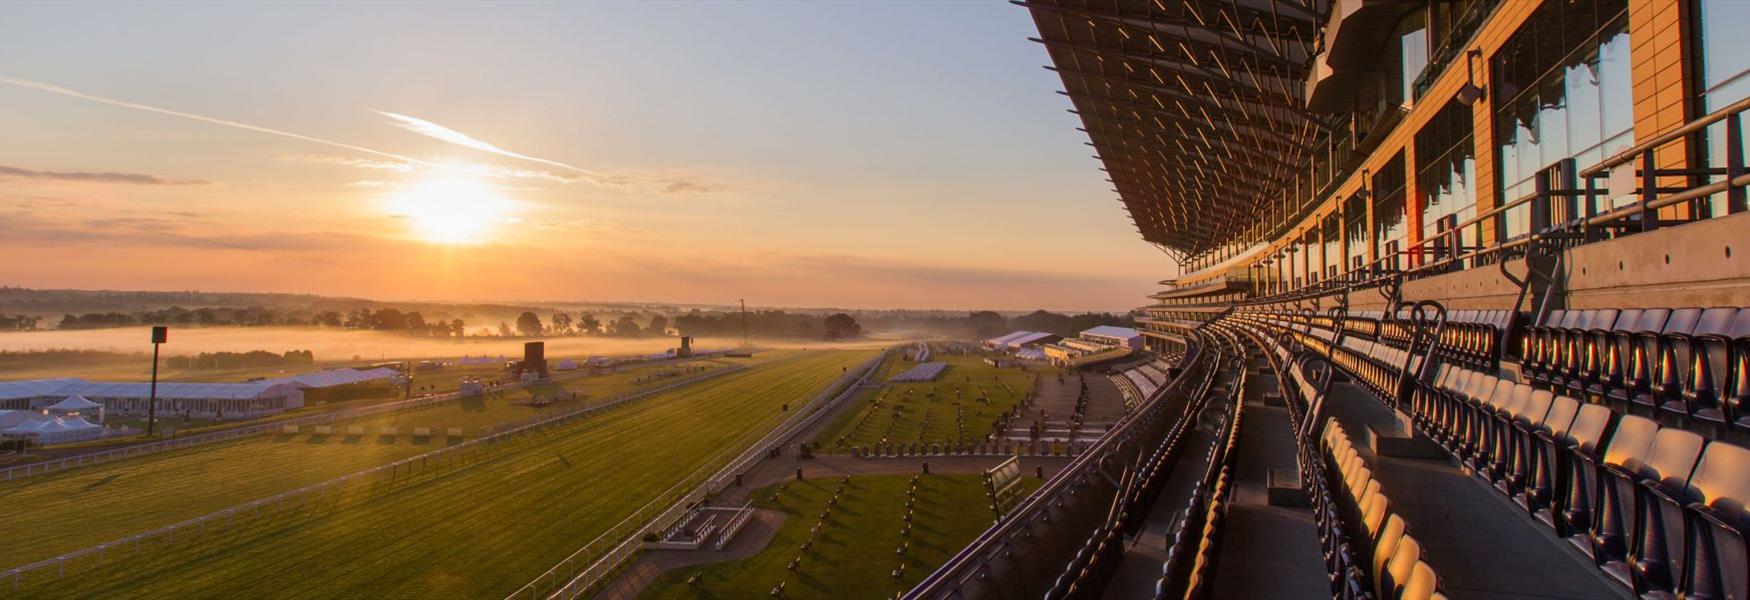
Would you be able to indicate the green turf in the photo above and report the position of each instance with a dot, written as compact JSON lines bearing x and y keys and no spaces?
{"x":53,"y":514}
{"x":854,"y":554}
{"x":903,"y":413}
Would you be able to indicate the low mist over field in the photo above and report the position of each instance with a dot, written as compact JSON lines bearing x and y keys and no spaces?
{"x":328,"y":345}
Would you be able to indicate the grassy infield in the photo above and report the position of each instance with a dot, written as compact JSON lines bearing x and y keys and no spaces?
{"x":854,"y":555}
{"x":967,"y":380}
{"x":476,"y":532}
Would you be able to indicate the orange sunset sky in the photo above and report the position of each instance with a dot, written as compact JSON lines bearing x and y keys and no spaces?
{"x":861,"y":155}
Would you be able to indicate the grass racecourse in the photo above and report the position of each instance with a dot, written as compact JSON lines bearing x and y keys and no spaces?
{"x":907,"y":412}
{"x":855,"y":552}
{"x":480,"y":528}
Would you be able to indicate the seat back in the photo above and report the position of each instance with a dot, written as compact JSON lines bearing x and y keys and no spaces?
{"x":1720,"y":480}
{"x":1560,"y":418}
{"x":1682,"y":321}
{"x":1626,"y":319}
{"x":1672,"y":456}
{"x":1422,"y":583}
{"x":1537,"y":408}
{"x":1721,"y":486}
{"x":1397,"y":570}
{"x":1590,"y":424}
{"x":1633,"y":439}
{"x":1388,"y":541}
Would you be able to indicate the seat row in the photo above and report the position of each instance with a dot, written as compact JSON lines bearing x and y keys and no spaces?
{"x":1347,"y":573}
{"x":1396,"y":569}
{"x":1190,"y":564}
{"x":1659,"y":509}
{"x":1688,"y":363}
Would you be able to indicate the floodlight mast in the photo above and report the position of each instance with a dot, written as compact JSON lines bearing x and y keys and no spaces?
{"x":159,"y":334}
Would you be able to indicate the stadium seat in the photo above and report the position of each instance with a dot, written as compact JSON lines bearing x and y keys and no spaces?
{"x":1612,"y":519}
{"x":1710,"y":364}
{"x":1404,"y":557}
{"x":1530,"y":418}
{"x":1690,"y":368}
{"x":1633,"y":361}
{"x":1422,"y":584}
{"x":1658,"y":363}
{"x":1543,"y":454}
{"x":1716,"y":501}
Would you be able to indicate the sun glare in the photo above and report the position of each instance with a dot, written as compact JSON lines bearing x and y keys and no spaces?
{"x":451,"y":208}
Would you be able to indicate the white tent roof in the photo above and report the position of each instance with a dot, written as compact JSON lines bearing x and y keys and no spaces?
{"x":334,"y":377}
{"x":74,"y":402}
{"x":34,"y":388}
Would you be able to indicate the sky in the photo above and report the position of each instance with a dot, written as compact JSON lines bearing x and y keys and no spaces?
{"x":843,"y":154}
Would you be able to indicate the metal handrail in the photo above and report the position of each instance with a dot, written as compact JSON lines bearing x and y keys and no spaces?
{"x":1376,"y":271}
{"x":964,"y":563}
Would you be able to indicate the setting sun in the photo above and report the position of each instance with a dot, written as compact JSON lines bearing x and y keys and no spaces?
{"x":450,"y":208}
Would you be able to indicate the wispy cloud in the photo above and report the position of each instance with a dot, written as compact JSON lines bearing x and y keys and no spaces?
{"x":666,"y":184}
{"x":72,"y":93}
{"x":92,"y":177}
{"x":687,"y":187}
{"x":439,"y":132}
{"x":351,"y":161}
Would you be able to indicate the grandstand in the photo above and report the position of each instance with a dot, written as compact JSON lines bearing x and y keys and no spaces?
{"x":1464,"y":309}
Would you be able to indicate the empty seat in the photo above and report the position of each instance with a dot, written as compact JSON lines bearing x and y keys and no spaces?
{"x":1695,"y":387}
{"x":1612,"y":521}
{"x":1718,"y":565}
{"x":1662,"y":381}
{"x":1544,"y":443}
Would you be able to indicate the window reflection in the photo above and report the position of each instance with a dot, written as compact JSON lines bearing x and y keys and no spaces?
{"x":1446,"y":176}
{"x":1561,"y":89}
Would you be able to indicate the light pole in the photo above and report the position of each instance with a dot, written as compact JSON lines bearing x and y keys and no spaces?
{"x":159,"y":334}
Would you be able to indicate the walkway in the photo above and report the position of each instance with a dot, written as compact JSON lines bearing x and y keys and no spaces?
{"x":1480,"y":543}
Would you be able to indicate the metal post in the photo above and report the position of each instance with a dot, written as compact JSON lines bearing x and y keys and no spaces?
{"x":1649,"y":191}
{"x":1735,"y":194}
{"x":159,"y":334}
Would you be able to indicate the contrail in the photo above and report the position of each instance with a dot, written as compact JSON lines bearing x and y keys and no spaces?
{"x":55,"y":89}
{"x":436,"y":131}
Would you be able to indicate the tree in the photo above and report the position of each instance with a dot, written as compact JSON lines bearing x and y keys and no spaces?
{"x":988,"y":324}
{"x":841,"y":326}
{"x":561,"y":323}
{"x":658,"y":325}
{"x":503,"y":329}
{"x":528,"y":324}
{"x":627,"y":326}
{"x":458,"y":328}
{"x":588,"y":325}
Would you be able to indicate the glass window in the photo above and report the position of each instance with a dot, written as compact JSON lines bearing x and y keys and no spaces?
{"x":1388,"y":210}
{"x":1725,"y":70}
{"x":1562,"y":89}
{"x":1446,"y":172}
{"x":1355,"y":229}
{"x":1331,"y":232}
{"x":1413,"y":50}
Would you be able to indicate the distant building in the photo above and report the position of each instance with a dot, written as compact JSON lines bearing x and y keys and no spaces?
{"x":1021,"y":339}
{"x":1109,"y":336}
{"x":246,"y":400}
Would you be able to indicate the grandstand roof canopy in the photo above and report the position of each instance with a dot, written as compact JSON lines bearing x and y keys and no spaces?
{"x":1196,"y":107}
{"x":1110,"y":331}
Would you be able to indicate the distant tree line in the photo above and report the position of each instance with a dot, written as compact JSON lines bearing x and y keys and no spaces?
{"x":18,"y":322}
{"x":763,"y":323}
{"x":241,"y":360}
